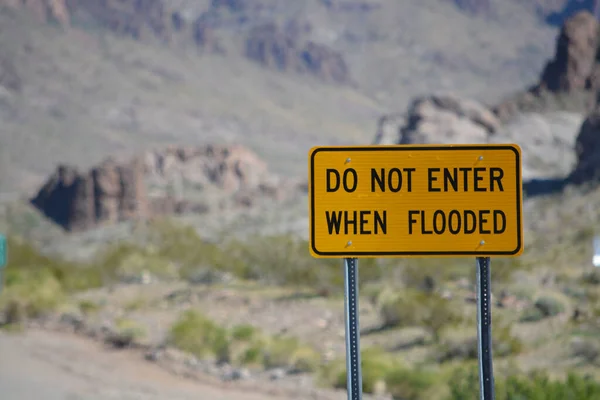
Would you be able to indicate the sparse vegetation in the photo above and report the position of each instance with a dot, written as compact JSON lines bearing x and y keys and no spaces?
{"x":543,"y":307}
{"x":241,"y":345}
{"x":418,"y":308}
{"x":533,"y":386}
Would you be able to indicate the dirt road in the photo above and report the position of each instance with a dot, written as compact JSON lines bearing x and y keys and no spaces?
{"x":55,"y":366}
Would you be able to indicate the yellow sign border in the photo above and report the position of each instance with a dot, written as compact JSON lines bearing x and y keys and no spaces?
{"x":408,"y":254}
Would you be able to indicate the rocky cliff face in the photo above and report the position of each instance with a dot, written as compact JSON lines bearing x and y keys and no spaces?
{"x":160,"y":182}
{"x":574,"y":64}
{"x":573,"y":73}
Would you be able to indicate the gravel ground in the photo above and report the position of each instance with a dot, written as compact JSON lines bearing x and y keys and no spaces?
{"x":56,"y":366}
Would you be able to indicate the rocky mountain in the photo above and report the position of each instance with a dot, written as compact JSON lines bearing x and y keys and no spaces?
{"x":570,"y":78}
{"x":555,"y":144}
{"x":169,"y":181}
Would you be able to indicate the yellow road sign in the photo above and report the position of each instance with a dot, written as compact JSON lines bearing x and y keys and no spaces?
{"x":415,"y":201}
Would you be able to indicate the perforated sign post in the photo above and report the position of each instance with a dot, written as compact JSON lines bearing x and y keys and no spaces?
{"x":416,"y":201}
{"x":3,"y":259}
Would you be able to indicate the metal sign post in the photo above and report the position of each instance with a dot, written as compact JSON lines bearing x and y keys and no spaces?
{"x":484,"y":329}
{"x":2,"y":259}
{"x":353,"y":367}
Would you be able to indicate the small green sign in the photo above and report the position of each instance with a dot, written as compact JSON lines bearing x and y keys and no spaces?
{"x":2,"y":251}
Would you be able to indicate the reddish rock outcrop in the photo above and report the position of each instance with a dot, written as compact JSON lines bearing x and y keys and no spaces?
{"x":575,"y":58}
{"x":174,"y":180}
{"x":108,"y":193}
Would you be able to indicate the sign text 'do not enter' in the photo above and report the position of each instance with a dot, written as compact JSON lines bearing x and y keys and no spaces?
{"x":403,"y":201}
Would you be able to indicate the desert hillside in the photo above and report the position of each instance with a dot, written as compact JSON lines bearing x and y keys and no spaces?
{"x":153,"y":160}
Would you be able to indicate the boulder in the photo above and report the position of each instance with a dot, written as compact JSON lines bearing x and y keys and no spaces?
{"x":439,"y":119}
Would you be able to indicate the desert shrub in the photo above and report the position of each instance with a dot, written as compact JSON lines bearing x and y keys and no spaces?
{"x":464,"y":385}
{"x":198,"y":335}
{"x":416,"y":308}
{"x":543,"y":307}
{"x":409,"y":384}
{"x":587,"y":349}
{"x":375,"y":366}
{"x":126,"y":332}
{"x":592,"y":277}
{"x":88,"y":307}
{"x":241,"y":345}
{"x":276,"y":259}
{"x":504,"y":344}
{"x":382,"y":370}
{"x":428,"y":273}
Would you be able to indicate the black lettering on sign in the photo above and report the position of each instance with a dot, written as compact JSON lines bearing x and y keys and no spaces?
{"x":352,"y":188}
{"x":364,"y":221}
{"x":456,"y":222}
{"x":473,"y":224}
{"x":496,"y":175}
{"x":478,"y":178}
{"x":330,"y":187}
{"x":334,"y":220}
{"x":348,"y":222}
{"x":349,"y":184}
{"x":439,"y":222}
{"x":395,"y":179}
{"x":380,"y":179}
{"x":356,"y":221}
{"x":450,"y":180}
{"x":411,"y":220}
{"x":423,"y":230}
{"x":483,"y":220}
{"x":497,"y":229}
{"x":409,"y":172}
{"x":431,"y":179}
{"x":381,"y":223}
{"x":465,"y":172}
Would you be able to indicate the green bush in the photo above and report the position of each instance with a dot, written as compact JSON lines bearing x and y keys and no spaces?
{"x":416,"y":308}
{"x":381,"y":370}
{"x":241,"y":345}
{"x":198,"y":335}
{"x":464,"y":385}
{"x":375,"y":366}
{"x":543,"y":307}
{"x":409,"y":384}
